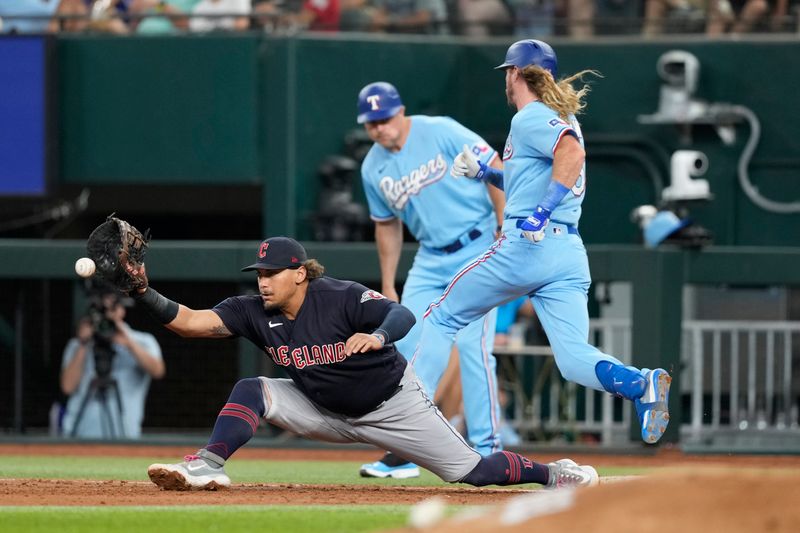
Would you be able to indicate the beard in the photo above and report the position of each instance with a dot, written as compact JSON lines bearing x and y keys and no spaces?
{"x":270,"y":308}
{"x":510,"y":96}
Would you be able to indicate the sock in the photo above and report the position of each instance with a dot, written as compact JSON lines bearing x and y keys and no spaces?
{"x":507,"y":468}
{"x":238,"y":420}
{"x":391,"y":459}
{"x":621,"y":380}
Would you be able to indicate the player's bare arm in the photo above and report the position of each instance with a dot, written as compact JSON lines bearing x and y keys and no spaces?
{"x":389,"y":239}
{"x":568,"y":161}
{"x":192,"y":323}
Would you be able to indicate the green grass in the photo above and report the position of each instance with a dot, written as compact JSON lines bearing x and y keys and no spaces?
{"x":240,"y":471}
{"x":200,"y":519}
{"x":212,"y":519}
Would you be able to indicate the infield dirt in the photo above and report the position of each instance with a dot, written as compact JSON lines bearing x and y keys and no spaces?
{"x":706,"y":493}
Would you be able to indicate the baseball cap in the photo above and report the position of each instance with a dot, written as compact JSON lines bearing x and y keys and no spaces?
{"x":378,"y":101}
{"x":278,"y":252}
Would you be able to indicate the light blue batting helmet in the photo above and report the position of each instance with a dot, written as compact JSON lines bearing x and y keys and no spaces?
{"x":664,"y":224}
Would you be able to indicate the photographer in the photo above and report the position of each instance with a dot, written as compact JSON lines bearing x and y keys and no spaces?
{"x":105,"y":358}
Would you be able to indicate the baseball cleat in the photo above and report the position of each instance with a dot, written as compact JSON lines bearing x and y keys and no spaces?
{"x":653,"y":406}
{"x":192,"y":474}
{"x":382,"y":470}
{"x":568,"y":473}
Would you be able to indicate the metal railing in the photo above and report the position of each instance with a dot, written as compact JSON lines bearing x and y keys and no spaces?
{"x":737,"y":376}
{"x":551,"y":407}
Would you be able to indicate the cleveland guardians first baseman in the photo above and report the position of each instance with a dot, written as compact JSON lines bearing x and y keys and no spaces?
{"x":347,"y":382}
{"x":406,"y":180}
{"x":540,"y":253}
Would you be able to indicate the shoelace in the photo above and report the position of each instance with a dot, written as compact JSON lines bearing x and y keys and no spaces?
{"x":190,"y":458}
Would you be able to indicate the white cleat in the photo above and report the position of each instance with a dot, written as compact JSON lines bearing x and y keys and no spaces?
{"x":192,"y":474}
{"x":568,"y":473}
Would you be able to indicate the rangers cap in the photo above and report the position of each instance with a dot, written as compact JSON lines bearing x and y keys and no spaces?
{"x":378,"y":101}
{"x":277,"y":253}
{"x":531,"y":52}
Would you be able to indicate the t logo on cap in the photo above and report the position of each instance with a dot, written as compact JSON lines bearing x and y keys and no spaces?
{"x":373,"y":101}
{"x":278,"y":253}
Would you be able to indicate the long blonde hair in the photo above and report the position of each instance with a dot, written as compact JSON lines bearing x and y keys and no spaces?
{"x":560,"y":95}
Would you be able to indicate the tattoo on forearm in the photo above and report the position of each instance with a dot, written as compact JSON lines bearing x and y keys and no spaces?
{"x":220,"y":331}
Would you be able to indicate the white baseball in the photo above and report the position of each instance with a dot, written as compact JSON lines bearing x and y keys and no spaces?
{"x":84,"y":267}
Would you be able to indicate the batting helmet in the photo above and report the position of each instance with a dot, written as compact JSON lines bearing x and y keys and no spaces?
{"x":531,"y":52}
{"x":664,"y":224}
{"x":378,"y":101}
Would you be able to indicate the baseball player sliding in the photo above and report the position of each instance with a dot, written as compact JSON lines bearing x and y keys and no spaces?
{"x":406,"y":180}
{"x":347,"y":383}
{"x":540,"y":253}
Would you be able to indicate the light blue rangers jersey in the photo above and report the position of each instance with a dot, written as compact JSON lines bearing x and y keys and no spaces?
{"x":528,"y":163}
{"x":415,"y":184}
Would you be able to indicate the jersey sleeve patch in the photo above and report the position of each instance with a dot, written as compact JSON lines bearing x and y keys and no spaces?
{"x":557,"y":122}
{"x":371,"y":295}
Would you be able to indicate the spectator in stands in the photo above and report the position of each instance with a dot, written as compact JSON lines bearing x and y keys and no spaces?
{"x":685,"y":14}
{"x":161,"y":16}
{"x":215,"y":9}
{"x":533,"y":18}
{"x":113,"y":16}
{"x":479,"y":18}
{"x":75,"y":15}
{"x":314,"y":15}
{"x":742,"y":16}
{"x":13,"y":13}
{"x":135,"y":359}
{"x":580,"y":18}
{"x":409,"y":16}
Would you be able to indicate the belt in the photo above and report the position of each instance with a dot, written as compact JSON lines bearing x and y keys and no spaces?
{"x":555,"y":226}
{"x":455,"y":246}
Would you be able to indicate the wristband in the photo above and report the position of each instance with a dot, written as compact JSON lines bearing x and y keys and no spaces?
{"x":555,"y":193}
{"x":380,"y":335}
{"x":487,"y":173}
{"x":162,"y":309}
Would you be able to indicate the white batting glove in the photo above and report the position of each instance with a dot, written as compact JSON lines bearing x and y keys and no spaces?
{"x":467,"y":165}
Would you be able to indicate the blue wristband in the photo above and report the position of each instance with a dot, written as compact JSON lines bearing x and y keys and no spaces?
{"x":555,"y":193}
{"x":490,"y":174}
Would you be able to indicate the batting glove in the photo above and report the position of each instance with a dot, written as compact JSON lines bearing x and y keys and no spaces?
{"x":467,"y":165}
{"x":533,"y":226}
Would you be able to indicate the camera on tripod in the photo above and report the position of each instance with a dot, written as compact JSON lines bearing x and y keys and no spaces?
{"x":103,"y":387}
{"x":100,"y":305}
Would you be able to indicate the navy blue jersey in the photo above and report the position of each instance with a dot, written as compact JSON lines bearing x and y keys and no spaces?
{"x":312,"y":347}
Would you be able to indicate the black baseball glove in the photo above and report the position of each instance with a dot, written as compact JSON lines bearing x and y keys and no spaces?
{"x":118,"y":249}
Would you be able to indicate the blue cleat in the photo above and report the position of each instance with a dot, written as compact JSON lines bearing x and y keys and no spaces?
{"x":382,"y":470}
{"x":653,"y":406}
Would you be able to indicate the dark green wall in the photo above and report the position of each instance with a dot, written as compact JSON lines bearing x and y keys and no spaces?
{"x":158,"y":110}
{"x":249,"y":108}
